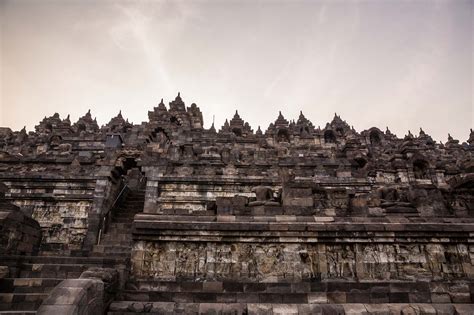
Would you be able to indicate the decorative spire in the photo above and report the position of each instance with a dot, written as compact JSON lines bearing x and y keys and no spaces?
{"x":471,"y":138}
{"x":212,"y":129}
{"x":226,"y":127}
{"x":177,"y":104}
{"x":161,"y":105}
{"x":281,"y":121}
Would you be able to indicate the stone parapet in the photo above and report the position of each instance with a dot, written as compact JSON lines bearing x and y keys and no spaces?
{"x":285,"y":249}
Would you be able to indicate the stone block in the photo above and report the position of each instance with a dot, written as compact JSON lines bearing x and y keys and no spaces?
{"x":460,"y":297}
{"x":253,"y":287}
{"x":317,"y":298}
{"x":357,"y":297}
{"x":4,"y":272}
{"x":444,"y":309}
{"x":270,"y":298}
{"x":285,"y":309}
{"x":332,"y":309}
{"x":379,"y":309}
{"x":59,"y":309}
{"x":210,"y":308}
{"x":233,"y":287}
{"x":212,"y":286}
{"x":259,"y":309}
{"x":161,"y":308}
{"x":353,"y":309}
{"x":398,"y":297}
{"x":427,"y":309}
{"x":295,"y":298}
{"x":336,"y":297}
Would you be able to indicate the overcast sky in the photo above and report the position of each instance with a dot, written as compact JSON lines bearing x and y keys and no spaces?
{"x":402,"y":64}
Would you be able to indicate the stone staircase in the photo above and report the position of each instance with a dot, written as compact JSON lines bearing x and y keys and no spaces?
{"x":117,"y":241}
{"x":307,"y":297}
{"x":31,"y":278}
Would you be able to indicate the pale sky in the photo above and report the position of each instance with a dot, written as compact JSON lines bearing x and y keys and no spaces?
{"x":402,"y":64}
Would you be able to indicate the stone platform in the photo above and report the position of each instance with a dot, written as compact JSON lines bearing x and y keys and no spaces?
{"x":293,"y":219}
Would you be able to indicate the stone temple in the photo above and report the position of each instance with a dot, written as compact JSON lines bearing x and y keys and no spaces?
{"x":168,"y":217}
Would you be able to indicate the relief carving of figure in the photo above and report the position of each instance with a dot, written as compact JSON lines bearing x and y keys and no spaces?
{"x":435,"y":258}
{"x":454,"y":261}
{"x":347,"y":262}
{"x":333,"y":259}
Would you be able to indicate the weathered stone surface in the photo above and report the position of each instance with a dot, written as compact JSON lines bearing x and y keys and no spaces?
{"x":294,"y":219}
{"x":19,"y":233}
{"x":78,"y":296}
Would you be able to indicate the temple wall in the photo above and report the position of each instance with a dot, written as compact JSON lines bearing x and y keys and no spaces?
{"x":291,"y":262}
{"x":60,"y":206}
{"x":68,"y":209}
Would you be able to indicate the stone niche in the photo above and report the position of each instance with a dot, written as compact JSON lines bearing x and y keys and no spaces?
{"x":289,"y":262}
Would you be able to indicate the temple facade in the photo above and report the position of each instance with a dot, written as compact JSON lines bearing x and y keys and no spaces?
{"x":168,"y":217}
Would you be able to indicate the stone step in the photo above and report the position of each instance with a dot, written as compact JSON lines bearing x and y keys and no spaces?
{"x":104,"y":248}
{"x":212,"y":297}
{"x":129,"y":209}
{"x":26,"y":263}
{"x":124,"y":215}
{"x":229,"y":286}
{"x":134,"y":198}
{"x":21,"y":301}
{"x":119,"y":231}
{"x":121,"y":225}
{"x":125,"y":238}
{"x":122,"y":220}
{"x":28,"y":285}
{"x":63,"y":271}
{"x":155,"y":308}
{"x":116,"y":242}
{"x":302,"y":292}
{"x":115,"y":239}
{"x":134,"y":201}
{"x":123,"y":233}
{"x":120,"y":235}
{"x":124,"y":256}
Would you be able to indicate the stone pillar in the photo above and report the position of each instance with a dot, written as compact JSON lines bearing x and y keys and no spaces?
{"x":153,"y":175}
